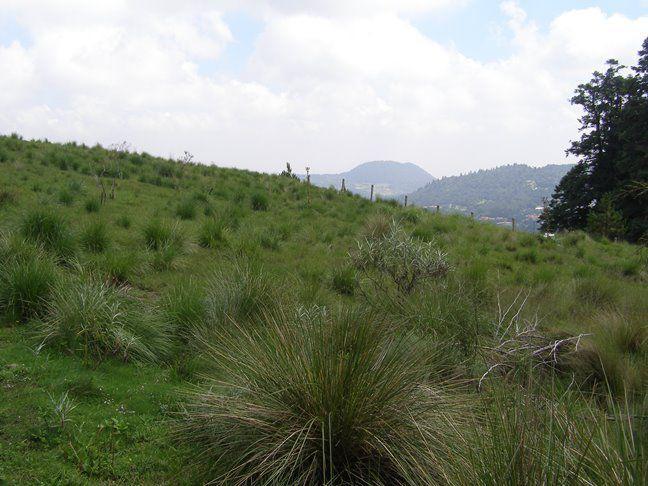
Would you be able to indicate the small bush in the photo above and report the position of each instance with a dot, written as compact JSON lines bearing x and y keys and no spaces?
{"x":401,"y":258}
{"x":344,"y":281}
{"x":212,"y":234}
{"x":94,"y":237}
{"x":259,"y":201}
{"x":319,"y":400}
{"x":49,"y":230}
{"x":92,"y":205}
{"x":98,"y":321}
{"x":186,"y":209}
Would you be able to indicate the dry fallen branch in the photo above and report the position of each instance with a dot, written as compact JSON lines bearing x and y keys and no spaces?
{"x":520,"y":343}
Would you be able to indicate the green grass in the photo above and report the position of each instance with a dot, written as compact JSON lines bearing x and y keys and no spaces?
{"x":49,"y":229}
{"x":94,"y":237}
{"x":311,"y":399}
{"x":302,"y":313}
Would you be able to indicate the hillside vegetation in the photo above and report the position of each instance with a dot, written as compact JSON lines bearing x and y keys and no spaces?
{"x":189,"y":324}
{"x":499,"y":194}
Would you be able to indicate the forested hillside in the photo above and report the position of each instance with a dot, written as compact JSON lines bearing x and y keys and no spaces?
{"x":511,"y":191}
{"x":165,"y":322}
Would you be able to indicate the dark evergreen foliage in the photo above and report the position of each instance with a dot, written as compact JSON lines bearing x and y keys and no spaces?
{"x":612,"y":175}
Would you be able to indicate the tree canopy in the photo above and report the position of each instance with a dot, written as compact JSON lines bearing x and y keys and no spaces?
{"x":610,"y":181}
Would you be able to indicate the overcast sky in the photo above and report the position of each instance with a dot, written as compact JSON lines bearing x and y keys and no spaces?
{"x":452,"y":85}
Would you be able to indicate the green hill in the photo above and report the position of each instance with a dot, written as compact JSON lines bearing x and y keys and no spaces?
{"x":497,"y":195}
{"x":389,"y":178}
{"x":189,"y":323}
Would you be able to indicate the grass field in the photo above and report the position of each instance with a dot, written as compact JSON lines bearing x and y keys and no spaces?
{"x":204,"y":324}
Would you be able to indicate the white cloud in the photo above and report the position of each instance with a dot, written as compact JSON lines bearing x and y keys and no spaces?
{"x":327,"y":82}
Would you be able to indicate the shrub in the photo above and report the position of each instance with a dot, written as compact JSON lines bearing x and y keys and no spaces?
{"x":401,"y":258}
{"x":92,"y":205}
{"x":344,"y":281}
{"x":94,"y":237}
{"x":186,"y":209}
{"x":26,"y":280}
{"x":319,"y":400}
{"x":259,"y":201}
{"x":212,"y":234}
{"x":49,"y":230}
{"x":242,"y":293}
{"x":97,"y":321}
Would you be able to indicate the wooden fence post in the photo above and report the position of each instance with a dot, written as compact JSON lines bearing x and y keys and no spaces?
{"x":405,"y":200}
{"x":343,"y":188}
{"x":308,"y":198}
{"x":513,"y":224}
{"x":371,"y":195}
{"x":438,"y":209}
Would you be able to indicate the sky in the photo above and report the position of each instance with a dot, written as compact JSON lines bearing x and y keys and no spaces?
{"x":451,"y":85}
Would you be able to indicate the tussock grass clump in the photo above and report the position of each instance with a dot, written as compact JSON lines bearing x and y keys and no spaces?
{"x":94,"y":237}
{"x":376,"y":226}
{"x":616,"y":357}
{"x":551,"y":438}
{"x":184,"y":309}
{"x":595,"y":292}
{"x":242,"y":293}
{"x":66,"y":197}
{"x":259,"y":201}
{"x":158,"y":235}
{"x":96,"y":320}
{"x":313,"y":399}
{"x":26,"y":280}
{"x":120,"y":266}
{"x":50,"y":230}
{"x":186,"y":209}
{"x":344,"y":281}
{"x":123,"y":221}
{"x":212,"y":234}
{"x":92,"y":205}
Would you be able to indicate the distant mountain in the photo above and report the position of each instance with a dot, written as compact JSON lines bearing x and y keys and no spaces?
{"x":511,"y":191}
{"x":389,"y":178}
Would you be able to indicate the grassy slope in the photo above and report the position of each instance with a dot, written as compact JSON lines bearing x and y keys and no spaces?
{"x":119,"y":431}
